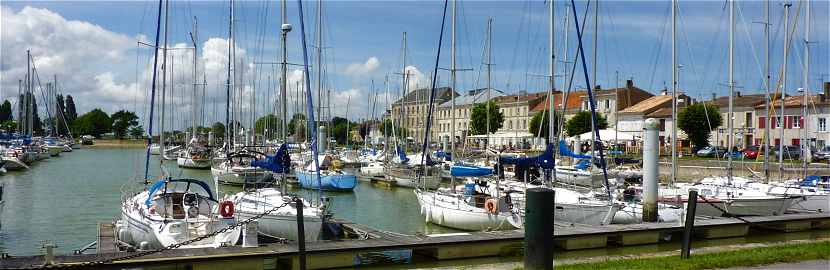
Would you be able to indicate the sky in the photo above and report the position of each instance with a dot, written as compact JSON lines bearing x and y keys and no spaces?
{"x":93,"y":49}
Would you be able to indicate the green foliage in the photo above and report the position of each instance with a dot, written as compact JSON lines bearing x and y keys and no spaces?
{"x":542,"y":120}
{"x":8,"y":125}
{"x":478,"y":119}
{"x":122,"y":121}
{"x":218,"y":130}
{"x":339,"y":129}
{"x":581,"y":123}
{"x":136,"y":131}
{"x":6,"y":111}
{"x":271,"y":122}
{"x":95,"y":123}
{"x":695,"y":121}
{"x":71,"y":113}
{"x":297,"y":126}
{"x":37,"y":125}
{"x":60,"y":114}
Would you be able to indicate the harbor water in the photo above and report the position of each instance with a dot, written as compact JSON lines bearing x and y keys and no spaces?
{"x":62,"y":199}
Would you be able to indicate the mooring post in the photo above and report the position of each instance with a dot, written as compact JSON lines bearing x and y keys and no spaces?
{"x":688,"y":229}
{"x":298,"y":202}
{"x":539,"y":229}
{"x":651,"y":151}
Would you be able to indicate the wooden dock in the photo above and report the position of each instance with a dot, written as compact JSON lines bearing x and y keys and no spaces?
{"x":379,"y":246}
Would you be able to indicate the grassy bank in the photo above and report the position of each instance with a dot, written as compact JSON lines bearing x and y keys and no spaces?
{"x":102,"y":143}
{"x":725,"y":259}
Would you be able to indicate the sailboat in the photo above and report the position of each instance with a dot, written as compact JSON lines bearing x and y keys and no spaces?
{"x":718,"y":195}
{"x":472,"y":210}
{"x":323,"y":171}
{"x":174,"y":211}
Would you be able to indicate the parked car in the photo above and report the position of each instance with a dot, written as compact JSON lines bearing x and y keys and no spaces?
{"x":751,"y":152}
{"x":711,"y":151}
{"x":791,"y":152}
{"x":821,"y":154}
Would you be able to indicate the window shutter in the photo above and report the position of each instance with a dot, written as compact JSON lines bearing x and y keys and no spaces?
{"x":801,"y":121}
{"x":762,"y":122}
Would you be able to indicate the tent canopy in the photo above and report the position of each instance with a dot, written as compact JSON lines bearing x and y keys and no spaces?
{"x":606,"y":135}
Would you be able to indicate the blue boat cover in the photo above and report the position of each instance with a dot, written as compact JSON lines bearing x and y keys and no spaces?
{"x":469,"y":171}
{"x":444,"y":155}
{"x":158,"y":185}
{"x":813,"y":180}
{"x":402,"y":155}
{"x":544,"y":161}
{"x":566,"y":152}
{"x":278,"y":163}
{"x":583,"y":164}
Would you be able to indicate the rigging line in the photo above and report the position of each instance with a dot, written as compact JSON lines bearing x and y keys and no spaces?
{"x":624,"y":55}
{"x":715,"y":38}
{"x":693,"y":65}
{"x":519,"y":33}
{"x":753,"y":51}
{"x":659,"y":46}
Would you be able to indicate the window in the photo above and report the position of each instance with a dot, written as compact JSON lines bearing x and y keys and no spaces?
{"x":796,"y":121}
{"x":509,"y":124}
{"x":777,"y":121}
{"x":822,"y":124}
{"x":748,"y":119}
{"x":608,"y":104}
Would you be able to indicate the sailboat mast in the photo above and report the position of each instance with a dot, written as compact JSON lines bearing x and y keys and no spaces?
{"x":489,"y":68}
{"x":804,"y":142}
{"x":319,"y":42}
{"x":453,"y":88}
{"x":674,"y":91}
{"x":228,"y":129}
{"x":194,"y":38}
{"x":152,"y":96}
{"x":767,"y":100}
{"x":284,"y":82}
{"x":730,"y":135}
{"x":28,"y":96}
{"x":552,"y":69}
{"x":781,"y":121}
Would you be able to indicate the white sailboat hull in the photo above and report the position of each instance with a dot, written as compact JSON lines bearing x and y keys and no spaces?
{"x":193,"y":163}
{"x":14,"y":164}
{"x":448,"y":212}
{"x":281,"y":223}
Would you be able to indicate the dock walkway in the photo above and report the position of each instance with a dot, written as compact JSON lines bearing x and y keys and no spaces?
{"x":378,"y":246}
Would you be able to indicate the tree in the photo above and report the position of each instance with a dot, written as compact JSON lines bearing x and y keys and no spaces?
{"x":297,"y":125}
{"x":8,"y":125}
{"x":95,"y":123}
{"x":339,"y":129}
{"x":478,"y":119}
{"x":6,"y":111}
{"x":71,"y":113}
{"x":122,"y":121}
{"x":37,"y":124}
{"x":136,"y":131}
{"x":60,"y":114}
{"x":270,"y":122}
{"x":581,"y":123}
{"x":697,"y":121}
{"x":542,"y":120}
{"x":218,"y":130}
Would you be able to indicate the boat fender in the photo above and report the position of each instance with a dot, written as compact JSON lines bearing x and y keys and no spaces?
{"x":428,"y":215}
{"x":144,"y":245}
{"x":491,"y":205}
{"x":226,"y":209}
{"x":124,"y":235}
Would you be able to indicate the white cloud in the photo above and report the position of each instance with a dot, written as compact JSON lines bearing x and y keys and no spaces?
{"x":416,"y":79}
{"x":363,"y":69}
{"x":73,"y":50}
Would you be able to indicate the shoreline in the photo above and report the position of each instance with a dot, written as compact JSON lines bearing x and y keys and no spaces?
{"x":106,"y":143}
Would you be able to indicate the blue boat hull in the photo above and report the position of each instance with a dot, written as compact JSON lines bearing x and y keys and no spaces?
{"x":341,"y":182}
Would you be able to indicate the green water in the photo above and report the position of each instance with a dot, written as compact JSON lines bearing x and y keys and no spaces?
{"x":63,"y":198}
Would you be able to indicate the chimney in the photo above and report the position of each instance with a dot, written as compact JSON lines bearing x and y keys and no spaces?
{"x":714,"y":96}
{"x":826,"y":88}
{"x":629,"y":84}
{"x":738,"y":93}
{"x":664,"y":92}
{"x":597,"y":87}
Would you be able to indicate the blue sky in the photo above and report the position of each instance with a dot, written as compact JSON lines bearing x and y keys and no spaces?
{"x":634,"y":40}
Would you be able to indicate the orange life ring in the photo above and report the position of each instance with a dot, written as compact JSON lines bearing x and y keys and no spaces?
{"x":491,"y":206}
{"x":226,"y":209}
